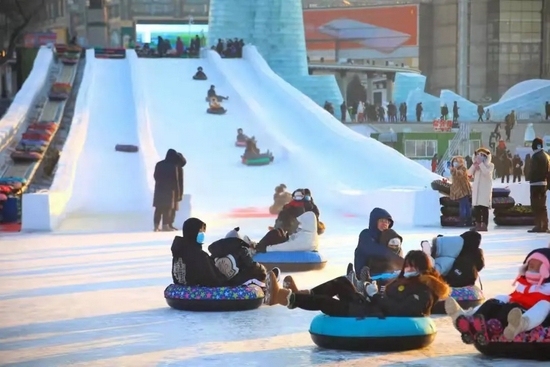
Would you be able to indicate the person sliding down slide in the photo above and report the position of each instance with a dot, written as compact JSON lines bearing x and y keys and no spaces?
{"x":241,"y":136}
{"x":305,"y":238}
{"x":212,"y":94}
{"x":412,"y":294}
{"x":370,"y":254}
{"x":199,"y":75}
{"x":215,"y":106}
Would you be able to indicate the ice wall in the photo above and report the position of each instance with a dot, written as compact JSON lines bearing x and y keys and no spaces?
{"x":526,"y":99}
{"x":276,"y":28}
{"x":409,"y":88}
{"x":467,"y":110}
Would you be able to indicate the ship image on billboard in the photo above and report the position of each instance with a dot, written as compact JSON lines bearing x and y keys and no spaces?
{"x":388,"y":33}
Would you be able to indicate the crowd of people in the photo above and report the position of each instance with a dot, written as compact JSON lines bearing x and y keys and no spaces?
{"x":230,"y":48}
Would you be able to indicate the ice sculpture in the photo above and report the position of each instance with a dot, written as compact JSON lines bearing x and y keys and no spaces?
{"x":467,"y":111}
{"x":527,"y":99}
{"x":529,"y":135}
{"x":276,"y":28}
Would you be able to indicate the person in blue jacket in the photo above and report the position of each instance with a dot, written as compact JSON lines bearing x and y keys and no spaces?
{"x":370,"y":255}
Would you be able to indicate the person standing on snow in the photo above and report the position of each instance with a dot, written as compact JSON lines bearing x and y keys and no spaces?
{"x":167,"y":191}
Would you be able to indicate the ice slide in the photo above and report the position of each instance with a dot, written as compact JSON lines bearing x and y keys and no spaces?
{"x":214,"y":175}
{"x":108,"y":184}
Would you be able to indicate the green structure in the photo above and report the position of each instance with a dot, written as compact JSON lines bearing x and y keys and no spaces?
{"x":424,"y":145}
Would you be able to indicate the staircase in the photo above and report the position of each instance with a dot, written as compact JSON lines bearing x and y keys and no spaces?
{"x":45,"y":173}
{"x":459,"y":145}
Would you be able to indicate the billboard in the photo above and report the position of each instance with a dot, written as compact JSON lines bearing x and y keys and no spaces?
{"x":385,"y":32}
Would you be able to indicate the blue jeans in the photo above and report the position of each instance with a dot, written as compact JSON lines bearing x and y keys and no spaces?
{"x":465,"y":208}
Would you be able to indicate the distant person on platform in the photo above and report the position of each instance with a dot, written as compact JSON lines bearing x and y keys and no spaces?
{"x":538,"y":180}
{"x":212,"y":93}
{"x":547,"y":110}
{"x":343,"y":111}
{"x":455,"y":112}
{"x":165,"y":197}
{"x":419,"y":110}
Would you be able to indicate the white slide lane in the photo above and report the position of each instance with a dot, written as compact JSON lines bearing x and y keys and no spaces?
{"x":109,"y":183}
{"x":214,"y":175}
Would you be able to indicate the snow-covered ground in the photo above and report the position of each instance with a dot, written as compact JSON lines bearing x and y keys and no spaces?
{"x":97,"y":300}
{"x":91,"y":294}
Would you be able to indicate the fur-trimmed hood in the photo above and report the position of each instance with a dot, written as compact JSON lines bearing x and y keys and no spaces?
{"x":459,"y":159}
{"x":439,"y":288}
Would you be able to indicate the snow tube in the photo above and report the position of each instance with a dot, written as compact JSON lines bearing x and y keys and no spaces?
{"x":450,"y":221}
{"x":372,"y":333}
{"x":240,"y":144}
{"x":199,"y":77}
{"x":501,"y":192}
{"x":533,"y":344}
{"x":187,"y":298}
{"x":11,"y":180}
{"x":39,"y":143}
{"x":466,"y":297}
{"x":20,"y":157}
{"x":43,"y":126}
{"x":69,"y":61}
{"x":443,"y":187}
{"x":447,"y":201}
{"x":30,"y":148}
{"x":219,"y":111}
{"x":126,"y":148}
{"x":450,"y":211}
{"x":503,"y":202}
{"x":514,"y":221}
{"x":517,"y":211}
{"x":291,"y":261}
{"x":260,"y":160}
{"x":36,"y":136}
{"x":58,"y":96}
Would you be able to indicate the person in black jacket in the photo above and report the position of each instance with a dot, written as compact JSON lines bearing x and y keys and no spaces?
{"x":192,"y":266}
{"x":465,"y":269}
{"x":234,"y":258}
{"x":412,"y":294}
{"x":167,"y":190}
{"x":537,"y":177}
{"x":180,"y":163}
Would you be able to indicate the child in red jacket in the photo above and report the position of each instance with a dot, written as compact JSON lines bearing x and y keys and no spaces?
{"x":525,"y":308}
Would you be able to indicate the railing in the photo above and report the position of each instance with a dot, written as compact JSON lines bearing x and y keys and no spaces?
{"x":463,"y":135}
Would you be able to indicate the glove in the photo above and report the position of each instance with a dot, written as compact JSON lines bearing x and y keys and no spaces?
{"x":372,"y":289}
{"x":426,"y":247}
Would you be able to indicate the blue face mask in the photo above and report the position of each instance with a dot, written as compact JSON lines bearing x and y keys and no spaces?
{"x":410,"y":274}
{"x":455,"y":164}
{"x":200,"y":238}
{"x":307,"y":198}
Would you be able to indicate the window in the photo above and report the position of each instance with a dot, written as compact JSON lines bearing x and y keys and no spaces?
{"x":420,"y":148}
{"x":467,"y":147}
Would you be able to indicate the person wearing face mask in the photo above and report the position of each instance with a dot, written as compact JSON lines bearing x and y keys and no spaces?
{"x":412,"y":294}
{"x":192,"y":266}
{"x":525,"y":308}
{"x":310,"y":206}
{"x":482,"y":187}
{"x":286,"y":219}
{"x":370,"y":253}
{"x":461,"y":189}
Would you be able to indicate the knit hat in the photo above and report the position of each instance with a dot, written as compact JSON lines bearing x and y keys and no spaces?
{"x":537,"y":144}
{"x":542,"y":255}
{"x":234,"y":233}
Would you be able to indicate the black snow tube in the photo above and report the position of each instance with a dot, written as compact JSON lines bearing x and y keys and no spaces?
{"x":259,"y":160}
{"x":218,"y":111}
{"x":126,"y":148}
{"x":514,"y":221}
{"x":443,"y":187}
{"x":450,"y":211}
{"x":502,"y":203}
{"x":451,"y":221}
{"x":501,"y":192}
{"x":447,"y":201}
{"x":214,"y":299}
{"x":199,"y":77}
{"x":58,"y":96}
{"x":527,"y":350}
{"x":517,"y":211}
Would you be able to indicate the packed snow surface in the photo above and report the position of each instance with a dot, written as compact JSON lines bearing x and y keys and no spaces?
{"x":97,"y":300}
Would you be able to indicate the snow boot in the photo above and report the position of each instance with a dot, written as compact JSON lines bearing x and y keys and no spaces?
{"x":275,"y":295}
{"x":480,"y":327}
{"x":517,"y":324}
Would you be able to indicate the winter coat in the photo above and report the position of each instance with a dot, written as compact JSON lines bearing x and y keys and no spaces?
{"x":180,"y":164}
{"x":506,"y":165}
{"x":460,"y":184}
{"x":482,"y":187}
{"x":190,"y":264}
{"x":466,"y":267}
{"x":527,"y":294}
{"x":309,"y":206}
{"x":458,"y":258}
{"x":519,"y":163}
{"x":167,"y":181}
{"x":305,"y":238}
{"x":411,"y":297}
{"x":233,"y":258}
{"x":286,"y":219}
{"x":370,"y":253}
{"x":539,"y":167}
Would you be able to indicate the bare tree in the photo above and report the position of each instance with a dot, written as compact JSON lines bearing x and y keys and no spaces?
{"x":17,"y":16}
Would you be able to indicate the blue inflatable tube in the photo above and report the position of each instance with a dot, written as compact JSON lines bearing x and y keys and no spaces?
{"x":292,"y":261}
{"x":372,"y":333}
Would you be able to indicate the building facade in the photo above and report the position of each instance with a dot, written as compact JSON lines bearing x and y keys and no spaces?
{"x":507,"y":41}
